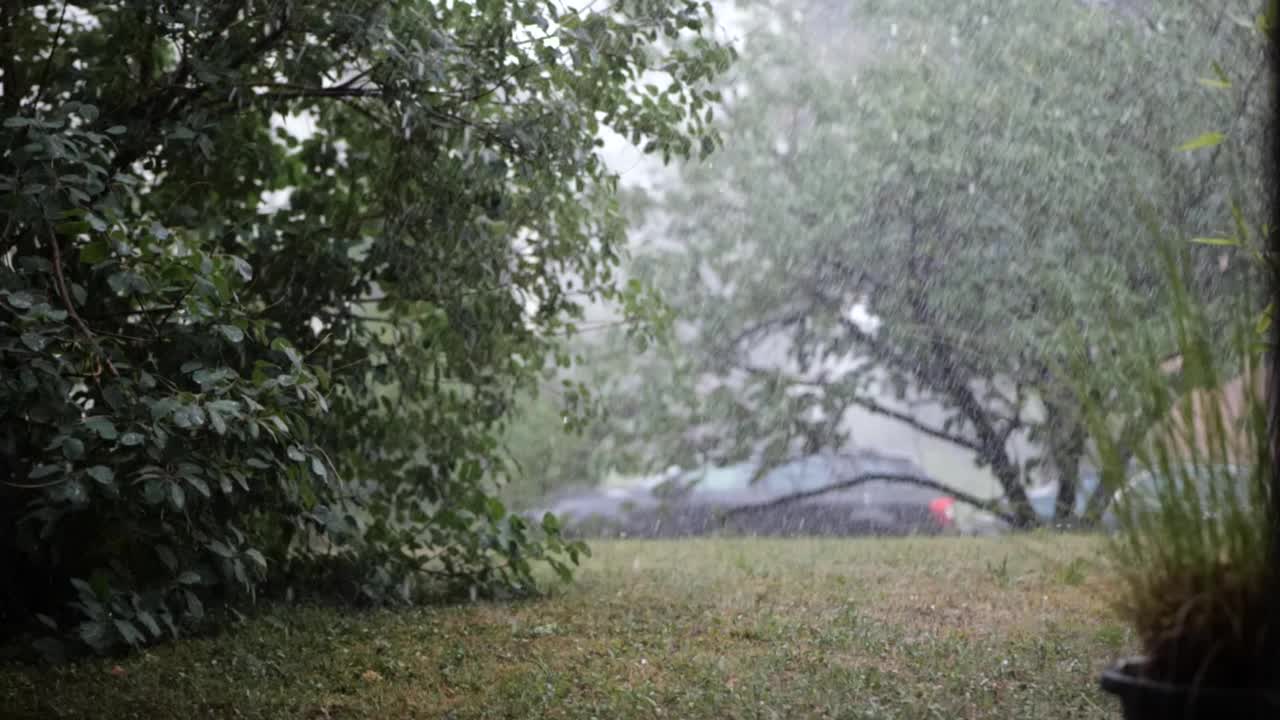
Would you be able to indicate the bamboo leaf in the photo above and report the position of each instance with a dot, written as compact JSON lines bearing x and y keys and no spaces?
{"x":1208,"y":139}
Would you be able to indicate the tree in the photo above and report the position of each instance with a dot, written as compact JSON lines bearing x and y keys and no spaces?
{"x":978,"y":185}
{"x":273,"y":273}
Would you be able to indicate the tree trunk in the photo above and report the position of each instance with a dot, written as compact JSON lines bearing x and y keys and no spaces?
{"x":1067,"y":461}
{"x":1011,"y":482}
{"x":1272,"y":358}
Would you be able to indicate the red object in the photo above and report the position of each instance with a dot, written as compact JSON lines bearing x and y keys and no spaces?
{"x":944,"y":510}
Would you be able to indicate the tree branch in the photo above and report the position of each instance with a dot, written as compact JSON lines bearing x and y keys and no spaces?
{"x":877,"y":408}
{"x":60,"y":281}
{"x":48,"y":62}
{"x":284,"y":91}
{"x":864,"y":478}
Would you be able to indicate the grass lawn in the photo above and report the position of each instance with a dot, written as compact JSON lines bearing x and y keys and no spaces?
{"x":741,"y":628}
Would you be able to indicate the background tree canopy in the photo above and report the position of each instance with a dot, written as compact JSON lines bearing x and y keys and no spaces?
{"x":975,"y":176}
{"x":273,"y":273}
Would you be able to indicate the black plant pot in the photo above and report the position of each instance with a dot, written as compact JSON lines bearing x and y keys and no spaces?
{"x":1144,"y":699}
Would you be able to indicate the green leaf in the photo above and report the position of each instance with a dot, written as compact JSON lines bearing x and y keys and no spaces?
{"x":188,"y":417}
{"x":232,"y":333}
{"x":116,"y":130}
{"x":129,"y":633}
{"x":189,"y":578}
{"x":95,"y":252}
{"x":165,"y":553}
{"x":127,"y":283}
{"x":131,"y":439}
{"x":257,"y":556}
{"x":1229,"y":242}
{"x":550,"y":523}
{"x":194,"y":607}
{"x":1208,"y":139}
{"x":76,"y":227}
{"x":21,"y":300}
{"x":318,"y":468}
{"x":153,"y":491}
{"x":221,"y":548}
{"x":94,"y":634}
{"x":1264,"y":319}
{"x":242,"y":268}
{"x":102,"y":474}
{"x":34,"y":341}
{"x":177,"y":496}
{"x":199,"y":484}
{"x":41,"y":472}
{"x":150,"y":623}
{"x":73,"y":448}
{"x":84,"y":589}
{"x":102,"y":426}
{"x":216,"y":422}
{"x":205,"y":377}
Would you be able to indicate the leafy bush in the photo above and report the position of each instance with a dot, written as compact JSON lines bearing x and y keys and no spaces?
{"x":272,"y":274}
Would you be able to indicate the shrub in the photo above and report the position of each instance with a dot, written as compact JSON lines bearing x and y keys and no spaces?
{"x":272,"y":274}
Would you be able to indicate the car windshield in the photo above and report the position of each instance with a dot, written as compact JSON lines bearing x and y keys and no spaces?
{"x":796,"y":476}
{"x":720,"y":479}
{"x":802,"y":475}
{"x":1147,"y":484}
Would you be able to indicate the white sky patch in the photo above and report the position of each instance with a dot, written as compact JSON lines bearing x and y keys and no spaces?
{"x":865,"y":321}
{"x":273,"y":201}
{"x":300,"y":125}
{"x":634,"y":168}
{"x":74,"y":14}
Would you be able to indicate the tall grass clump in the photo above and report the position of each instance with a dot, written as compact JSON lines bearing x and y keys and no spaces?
{"x":1190,"y":550}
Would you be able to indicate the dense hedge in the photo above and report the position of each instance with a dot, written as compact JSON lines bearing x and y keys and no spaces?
{"x":204,"y":395}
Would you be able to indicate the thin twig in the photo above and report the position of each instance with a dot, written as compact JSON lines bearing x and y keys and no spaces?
{"x":53,"y":49}
{"x":61,"y":281}
{"x":865,"y":478}
{"x":36,"y":486}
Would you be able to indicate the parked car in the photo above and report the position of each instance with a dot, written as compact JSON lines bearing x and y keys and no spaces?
{"x":1140,"y":487}
{"x":1142,"y":491}
{"x":732,"y":500}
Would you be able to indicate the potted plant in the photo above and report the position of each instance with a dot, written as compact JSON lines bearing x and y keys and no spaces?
{"x":1196,"y":508}
{"x":1192,"y":551}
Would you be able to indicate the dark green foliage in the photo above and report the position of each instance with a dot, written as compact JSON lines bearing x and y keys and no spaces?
{"x":202,"y":398}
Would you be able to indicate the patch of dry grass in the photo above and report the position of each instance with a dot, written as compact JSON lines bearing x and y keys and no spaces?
{"x":722,"y":628}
